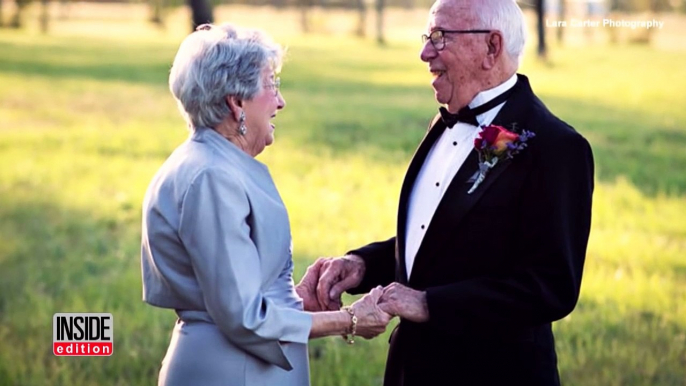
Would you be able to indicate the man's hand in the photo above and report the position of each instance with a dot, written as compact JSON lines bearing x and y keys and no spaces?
{"x":307,"y":288}
{"x":336,"y":276}
{"x":405,"y":302}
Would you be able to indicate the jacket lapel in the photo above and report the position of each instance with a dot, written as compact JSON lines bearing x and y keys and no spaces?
{"x":437,"y":128}
{"x":456,"y":203}
{"x":457,"y":191}
{"x":516,"y":109}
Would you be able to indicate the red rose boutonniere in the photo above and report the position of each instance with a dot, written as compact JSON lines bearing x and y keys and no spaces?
{"x":495,"y":144}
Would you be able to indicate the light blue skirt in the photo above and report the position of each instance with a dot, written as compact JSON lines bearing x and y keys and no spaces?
{"x":199,"y":354}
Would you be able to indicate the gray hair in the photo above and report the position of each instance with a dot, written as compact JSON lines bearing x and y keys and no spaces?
{"x":506,"y":17}
{"x":217,"y":61}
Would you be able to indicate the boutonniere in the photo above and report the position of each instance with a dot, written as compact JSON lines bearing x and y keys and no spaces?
{"x":495,"y":144}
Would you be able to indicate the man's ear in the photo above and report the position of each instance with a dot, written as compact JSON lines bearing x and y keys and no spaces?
{"x":494,"y":43}
{"x":235,"y":105}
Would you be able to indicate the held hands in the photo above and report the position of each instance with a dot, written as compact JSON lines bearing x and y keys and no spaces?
{"x":337,"y":275}
{"x":328,"y":278}
{"x":325,"y":280}
{"x":375,"y":310}
{"x":331,"y":277}
{"x":371,"y":319}
{"x":307,"y":288}
{"x":405,"y":302}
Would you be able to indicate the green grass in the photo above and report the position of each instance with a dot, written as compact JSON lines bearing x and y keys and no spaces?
{"x":85,"y":121}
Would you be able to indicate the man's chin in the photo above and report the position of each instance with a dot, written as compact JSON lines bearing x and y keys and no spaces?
{"x":441,"y":98}
{"x":442,"y":91}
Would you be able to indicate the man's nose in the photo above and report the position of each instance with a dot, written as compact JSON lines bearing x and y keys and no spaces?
{"x":428,"y":51}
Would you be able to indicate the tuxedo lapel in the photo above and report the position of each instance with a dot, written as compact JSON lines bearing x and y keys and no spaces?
{"x":456,"y":196}
{"x":416,"y":163}
{"x":456,"y":202}
{"x":515,"y":111}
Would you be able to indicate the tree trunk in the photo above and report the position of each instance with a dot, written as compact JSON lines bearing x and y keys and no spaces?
{"x":561,"y":13}
{"x":44,"y":16}
{"x":304,"y":19}
{"x":1,"y":17}
{"x":201,"y":12}
{"x":362,"y":19}
{"x":157,"y":12}
{"x":380,"y":5}
{"x":16,"y":19}
{"x":64,"y":7}
{"x":540,"y":15}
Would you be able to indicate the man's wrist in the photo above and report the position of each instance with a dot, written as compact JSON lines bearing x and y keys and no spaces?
{"x":425,"y":306}
{"x":359,"y":264}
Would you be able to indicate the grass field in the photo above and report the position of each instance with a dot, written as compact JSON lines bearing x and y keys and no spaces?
{"x":86,"y":119}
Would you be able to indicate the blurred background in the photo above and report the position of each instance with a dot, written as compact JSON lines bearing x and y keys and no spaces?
{"x":86,"y":119}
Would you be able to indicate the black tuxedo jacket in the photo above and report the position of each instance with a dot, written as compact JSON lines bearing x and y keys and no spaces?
{"x":499,"y":265}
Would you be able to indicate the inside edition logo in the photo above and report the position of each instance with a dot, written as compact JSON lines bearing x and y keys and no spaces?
{"x":82,"y":334}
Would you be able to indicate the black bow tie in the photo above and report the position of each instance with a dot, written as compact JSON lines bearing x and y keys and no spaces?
{"x":468,"y":115}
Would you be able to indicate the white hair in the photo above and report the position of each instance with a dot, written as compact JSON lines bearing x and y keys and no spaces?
{"x":506,"y":17}
{"x":219,"y":61}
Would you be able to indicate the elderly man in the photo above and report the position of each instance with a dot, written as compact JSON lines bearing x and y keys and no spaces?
{"x":486,"y":254}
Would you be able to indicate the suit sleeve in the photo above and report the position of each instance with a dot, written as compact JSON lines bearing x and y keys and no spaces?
{"x":215,"y":231}
{"x":284,"y":288}
{"x":551,"y":247}
{"x":379,"y":261}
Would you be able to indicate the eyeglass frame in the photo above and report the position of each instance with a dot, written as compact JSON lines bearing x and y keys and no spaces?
{"x":442,"y":32}
{"x":276,"y":85}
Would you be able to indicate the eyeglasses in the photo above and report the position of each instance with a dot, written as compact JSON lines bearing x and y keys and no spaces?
{"x":437,"y":37}
{"x":276,"y":85}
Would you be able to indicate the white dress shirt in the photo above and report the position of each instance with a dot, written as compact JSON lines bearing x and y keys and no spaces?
{"x":441,"y":164}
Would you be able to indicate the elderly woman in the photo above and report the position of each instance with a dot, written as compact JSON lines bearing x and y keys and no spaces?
{"x":216,"y":241}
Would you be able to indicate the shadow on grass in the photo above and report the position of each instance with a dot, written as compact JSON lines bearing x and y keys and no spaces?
{"x":56,"y":259}
{"x":51,"y":250}
{"x":91,"y":60}
{"x":388,"y":126}
{"x":646,"y":148}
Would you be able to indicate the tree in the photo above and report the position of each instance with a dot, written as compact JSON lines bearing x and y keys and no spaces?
{"x":540,"y":16}
{"x":157,"y":12}
{"x":201,"y":12}
{"x":362,"y":18}
{"x":44,"y":16}
{"x":304,"y":19}
{"x":16,"y":19}
{"x":380,"y":5}
{"x":561,"y":14}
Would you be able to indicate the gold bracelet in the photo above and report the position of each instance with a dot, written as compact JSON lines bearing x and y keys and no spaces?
{"x":353,"y":325}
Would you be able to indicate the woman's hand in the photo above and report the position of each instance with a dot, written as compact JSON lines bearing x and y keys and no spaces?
{"x":371,"y":320}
